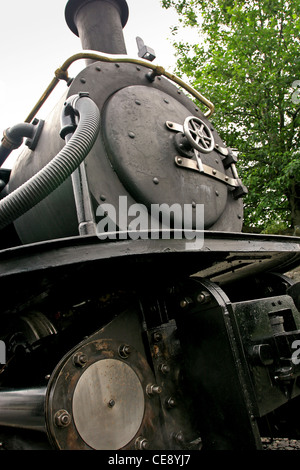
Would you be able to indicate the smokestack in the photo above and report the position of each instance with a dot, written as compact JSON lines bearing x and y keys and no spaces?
{"x":99,"y":24}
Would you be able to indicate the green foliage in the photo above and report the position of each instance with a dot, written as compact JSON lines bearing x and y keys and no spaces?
{"x":247,"y":62}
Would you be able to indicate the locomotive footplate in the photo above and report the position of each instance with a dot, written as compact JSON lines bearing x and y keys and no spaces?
{"x":124,"y":345}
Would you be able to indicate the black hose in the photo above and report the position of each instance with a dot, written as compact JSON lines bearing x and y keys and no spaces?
{"x":13,"y":139}
{"x":59,"y":168}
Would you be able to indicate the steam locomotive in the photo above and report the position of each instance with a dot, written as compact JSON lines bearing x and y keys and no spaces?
{"x":127,"y":327}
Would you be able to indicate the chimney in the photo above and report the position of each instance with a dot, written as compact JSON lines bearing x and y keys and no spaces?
{"x":99,"y":24}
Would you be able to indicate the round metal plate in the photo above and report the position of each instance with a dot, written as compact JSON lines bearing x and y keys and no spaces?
{"x":101,"y":403}
{"x":142,"y":150}
{"x":109,"y":392}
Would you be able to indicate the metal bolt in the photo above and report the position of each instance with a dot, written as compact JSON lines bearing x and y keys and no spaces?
{"x":62,"y":418}
{"x":157,"y":336}
{"x":164,"y":368}
{"x":153,"y":389}
{"x":80,"y":359}
{"x":185,"y":302}
{"x":124,"y":351}
{"x":83,"y":94}
{"x":155,"y":181}
{"x":170,"y":402}
{"x":179,"y":161}
{"x":141,"y":443}
{"x":179,"y":438}
{"x":111,"y":403}
{"x":203,"y":297}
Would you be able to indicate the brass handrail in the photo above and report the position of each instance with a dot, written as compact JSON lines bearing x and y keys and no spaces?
{"x":62,"y":74}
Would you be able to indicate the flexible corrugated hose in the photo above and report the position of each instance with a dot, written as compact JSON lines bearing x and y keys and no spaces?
{"x":52,"y":175}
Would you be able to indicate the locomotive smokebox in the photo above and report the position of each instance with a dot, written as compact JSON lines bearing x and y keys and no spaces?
{"x":99,"y":24}
{"x":155,"y":148}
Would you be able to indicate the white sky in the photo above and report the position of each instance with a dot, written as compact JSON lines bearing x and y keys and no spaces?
{"x":35,"y":40}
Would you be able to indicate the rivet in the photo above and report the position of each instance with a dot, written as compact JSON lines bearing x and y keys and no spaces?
{"x":111,"y":403}
{"x":194,"y":204}
{"x":217,"y":193}
{"x":137,"y":102}
{"x":62,"y":419}
{"x":117,"y":65}
{"x":166,"y":101}
{"x":138,"y":69}
{"x":131,"y":135}
{"x":98,"y":68}
{"x":214,"y":172}
{"x":179,"y":161}
{"x":155,"y":181}
{"x":83,"y":80}
{"x":102,"y":197}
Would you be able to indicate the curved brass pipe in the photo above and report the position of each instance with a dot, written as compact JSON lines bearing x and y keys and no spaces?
{"x":62,"y":74}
